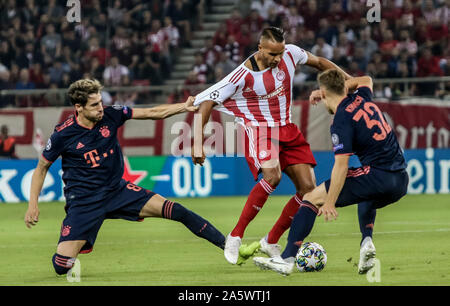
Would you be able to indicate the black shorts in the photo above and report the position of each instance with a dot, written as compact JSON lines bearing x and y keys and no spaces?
{"x":83,"y":222}
{"x":371,"y":184}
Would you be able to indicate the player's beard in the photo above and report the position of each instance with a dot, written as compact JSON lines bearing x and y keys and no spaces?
{"x":95,"y":118}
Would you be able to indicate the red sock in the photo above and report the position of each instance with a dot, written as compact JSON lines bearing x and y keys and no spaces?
{"x":255,"y":201}
{"x":285,"y":219}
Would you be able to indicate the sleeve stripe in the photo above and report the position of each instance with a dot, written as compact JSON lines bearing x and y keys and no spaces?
{"x":239,"y":76}
{"x":344,"y":153}
{"x":235,"y":75}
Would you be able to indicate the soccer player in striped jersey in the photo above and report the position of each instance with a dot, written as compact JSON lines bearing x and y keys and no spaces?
{"x":258,"y":93}
{"x":360,"y":128}
{"x":92,"y":164}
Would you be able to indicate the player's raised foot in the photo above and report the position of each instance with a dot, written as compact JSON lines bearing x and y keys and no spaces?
{"x":231,"y":250}
{"x":246,"y":251}
{"x":276,"y":264}
{"x":270,"y":249}
{"x":366,"y":256}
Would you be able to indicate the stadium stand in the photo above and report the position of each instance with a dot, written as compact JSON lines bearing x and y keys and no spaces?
{"x":119,"y":42}
{"x":181,"y":42}
{"x":410,"y":41}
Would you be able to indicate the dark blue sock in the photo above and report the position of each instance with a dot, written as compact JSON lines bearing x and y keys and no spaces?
{"x":62,"y":264}
{"x":196,"y":224}
{"x":300,"y":228}
{"x":366,"y":216}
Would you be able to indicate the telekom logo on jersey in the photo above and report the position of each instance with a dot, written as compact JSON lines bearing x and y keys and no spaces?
{"x":93,"y":158}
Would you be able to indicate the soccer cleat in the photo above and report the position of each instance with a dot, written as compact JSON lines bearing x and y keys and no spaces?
{"x":231,"y":250}
{"x":366,"y":256}
{"x":276,"y":264}
{"x":246,"y":251}
{"x":270,"y":249}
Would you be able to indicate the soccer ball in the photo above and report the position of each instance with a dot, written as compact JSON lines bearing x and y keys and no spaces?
{"x":310,"y":257}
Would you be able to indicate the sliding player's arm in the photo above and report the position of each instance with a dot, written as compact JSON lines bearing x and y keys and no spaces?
{"x":200,"y":120}
{"x":37,"y":181}
{"x":165,"y":110}
{"x":322,"y":64}
{"x":338,"y":176}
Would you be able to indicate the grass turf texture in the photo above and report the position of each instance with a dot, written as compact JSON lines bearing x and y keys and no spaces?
{"x":412,"y":238}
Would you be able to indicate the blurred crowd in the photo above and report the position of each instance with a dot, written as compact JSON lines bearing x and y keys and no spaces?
{"x":120,"y":42}
{"x":411,"y":39}
{"x":133,"y":42}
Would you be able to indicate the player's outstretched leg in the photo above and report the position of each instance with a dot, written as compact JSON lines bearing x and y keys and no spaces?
{"x":158,"y":206}
{"x":196,"y":224}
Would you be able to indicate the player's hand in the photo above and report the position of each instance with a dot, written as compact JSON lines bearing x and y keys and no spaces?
{"x":198,"y":158}
{"x":189,"y":104}
{"x":315,"y":97}
{"x":31,"y":216}
{"x":328,"y":211}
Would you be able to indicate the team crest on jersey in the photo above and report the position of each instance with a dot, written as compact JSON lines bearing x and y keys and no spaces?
{"x":214,"y":95}
{"x":104,"y":131}
{"x":49,"y":145}
{"x":280,"y":75}
{"x":65,"y":230}
{"x":262,"y":154}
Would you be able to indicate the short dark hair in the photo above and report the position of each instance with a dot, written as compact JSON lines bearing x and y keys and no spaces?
{"x":273,"y":33}
{"x":333,"y":80}
{"x":80,"y":90}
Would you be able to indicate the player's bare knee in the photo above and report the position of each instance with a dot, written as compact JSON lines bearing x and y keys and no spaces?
{"x":306,"y":188}
{"x":70,"y":248}
{"x":309,"y":197}
{"x":316,"y":196}
{"x":273,"y":177}
{"x":153,"y":207}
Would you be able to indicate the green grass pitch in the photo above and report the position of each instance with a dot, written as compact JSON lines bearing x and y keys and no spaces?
{"x":412,"y":238}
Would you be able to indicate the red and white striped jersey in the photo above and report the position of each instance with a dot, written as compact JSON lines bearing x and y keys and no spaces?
{"x":259,"y":98}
